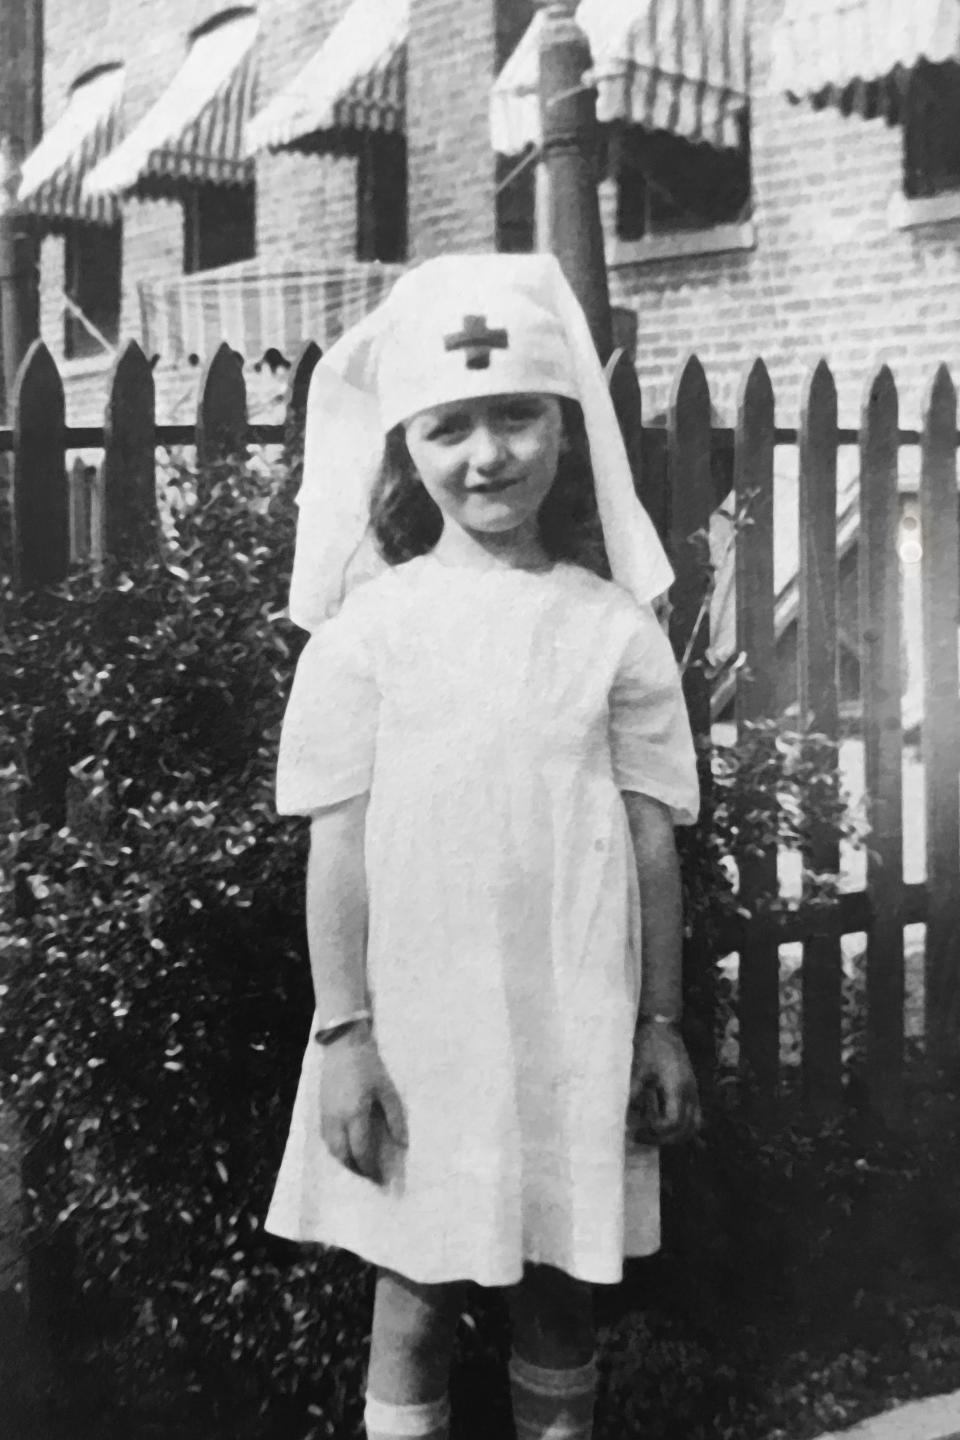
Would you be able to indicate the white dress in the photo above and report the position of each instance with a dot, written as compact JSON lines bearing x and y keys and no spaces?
{"x":494,"y":716}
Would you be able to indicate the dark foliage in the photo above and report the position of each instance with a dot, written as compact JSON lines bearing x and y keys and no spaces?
{"x":808,"y":1279}
{"x":157,"y":998}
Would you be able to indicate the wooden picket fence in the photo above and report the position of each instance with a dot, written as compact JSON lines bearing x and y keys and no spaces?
{"x":51,"y":526}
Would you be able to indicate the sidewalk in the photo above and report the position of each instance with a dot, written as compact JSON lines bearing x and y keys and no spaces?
{"x":936,"y":1418}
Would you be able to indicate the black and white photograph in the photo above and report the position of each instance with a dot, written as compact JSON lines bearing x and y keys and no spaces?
{"x":479,"y":720}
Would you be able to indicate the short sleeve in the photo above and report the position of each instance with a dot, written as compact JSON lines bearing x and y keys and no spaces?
{"x":650,"y":740}
{"x":328,"y":738}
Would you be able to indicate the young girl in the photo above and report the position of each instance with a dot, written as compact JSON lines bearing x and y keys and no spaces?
{"x":491,"y":743}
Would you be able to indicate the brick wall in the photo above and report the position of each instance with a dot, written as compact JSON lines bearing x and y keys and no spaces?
{"x":18,"y":79}
{"x":452,"y":65}
{"x":306,"y":205}
{"x":828,"y":276}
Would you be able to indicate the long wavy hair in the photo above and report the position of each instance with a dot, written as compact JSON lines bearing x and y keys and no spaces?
{"x":406,"y":522}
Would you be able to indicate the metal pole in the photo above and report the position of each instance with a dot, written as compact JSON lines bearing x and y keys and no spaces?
{"x":570,"y":141}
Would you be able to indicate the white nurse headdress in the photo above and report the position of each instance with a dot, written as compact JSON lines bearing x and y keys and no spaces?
{"x":454,"y":328}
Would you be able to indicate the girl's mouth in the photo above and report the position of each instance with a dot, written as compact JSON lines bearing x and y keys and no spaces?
{"x":493,"y":487}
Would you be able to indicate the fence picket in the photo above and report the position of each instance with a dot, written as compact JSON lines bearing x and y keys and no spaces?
{"x":759,"y":982}
{"x":298,"y":388}
{"x":690,"y":505}
{"x":41,"y":492}
{"x":818,"y":697}
{"x":655,"y":481}
{"x":880,"y":689}
{"x":628,"y":404}
{"x":941,"y":714}
{"x":645,"y":447}
{"x":222,"y":410}
{"x":129,"y":462}
{"x":753,"y":498}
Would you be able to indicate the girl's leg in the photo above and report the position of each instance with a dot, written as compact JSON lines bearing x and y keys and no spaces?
{"x":553,"y":1376}
{"x":410,"y":1350}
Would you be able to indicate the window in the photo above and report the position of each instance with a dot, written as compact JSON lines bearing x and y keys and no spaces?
{"x":382,"y":197}
{"x":92,"y":267}
{"x":667,"y":184}
{"x":219,"y":226}
{"x":931,"y":130}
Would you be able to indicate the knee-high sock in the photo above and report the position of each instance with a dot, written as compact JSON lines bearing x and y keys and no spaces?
{"x":552,"y":1404}
{"x":384,"y":1421}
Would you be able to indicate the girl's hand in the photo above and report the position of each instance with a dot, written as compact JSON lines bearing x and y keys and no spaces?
{"x":359,"y":1106}
{"x":664,"y":1105}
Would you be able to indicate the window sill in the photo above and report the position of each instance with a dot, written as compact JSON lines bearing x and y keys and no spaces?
{"x":679,"y":244}
{"x":88,"y":365}
{"x":906,"y":214}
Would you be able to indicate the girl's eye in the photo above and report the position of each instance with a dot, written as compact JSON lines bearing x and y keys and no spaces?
{"x":449,"y":431}
{"x":520,"y":413}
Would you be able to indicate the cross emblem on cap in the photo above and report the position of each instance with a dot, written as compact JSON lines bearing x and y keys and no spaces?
{"x":477,"y":340}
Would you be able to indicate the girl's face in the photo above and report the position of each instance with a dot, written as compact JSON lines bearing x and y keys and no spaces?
{"x":488,"y":463}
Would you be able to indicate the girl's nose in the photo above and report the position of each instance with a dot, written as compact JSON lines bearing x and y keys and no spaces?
{"x":489,"y":449}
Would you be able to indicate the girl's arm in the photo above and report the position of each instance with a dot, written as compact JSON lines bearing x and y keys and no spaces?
{"x":337,"y":909}
{"x":658,"y":875}
{"x":357,"y":1096}
{"x":663,"y":1091}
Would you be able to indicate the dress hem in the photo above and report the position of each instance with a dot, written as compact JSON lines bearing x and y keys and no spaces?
{"x":476,"y":1274}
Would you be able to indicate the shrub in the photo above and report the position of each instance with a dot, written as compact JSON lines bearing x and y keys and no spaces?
{"x":772,"y":789}
{"x":157,"y":1000}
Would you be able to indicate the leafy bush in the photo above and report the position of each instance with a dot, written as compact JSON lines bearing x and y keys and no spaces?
{"x":772,"y":788}
{"x":157,"y":1000}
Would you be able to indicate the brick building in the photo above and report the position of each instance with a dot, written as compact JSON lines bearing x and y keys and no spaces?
{"x":829,"y":228}
{"x":836,"y":257}
{"x":189,"y":222}
{"x":807,"y":230}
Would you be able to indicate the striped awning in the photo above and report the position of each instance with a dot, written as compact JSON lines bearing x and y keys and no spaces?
{"x":356,"y":81}
{"x":51,"y":179}
{"x":856,"y":53}
{"x":194,"y":133}
{"x":675,"y":65}
{"x":258,"y":305}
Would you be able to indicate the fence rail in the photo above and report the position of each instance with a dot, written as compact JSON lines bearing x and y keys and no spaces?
{"x":686,"y":467}
{"x":723,"y":438}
